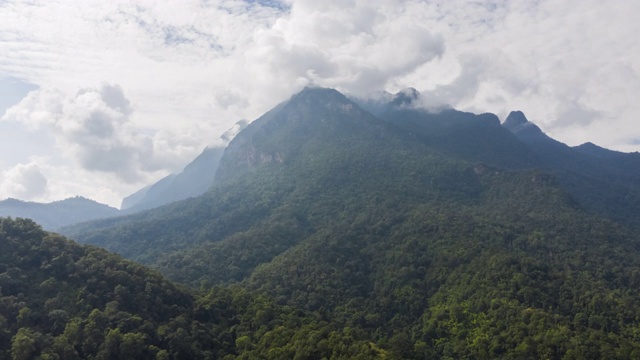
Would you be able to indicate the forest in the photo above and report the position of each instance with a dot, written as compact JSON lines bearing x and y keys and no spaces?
{"x":61,"y":300}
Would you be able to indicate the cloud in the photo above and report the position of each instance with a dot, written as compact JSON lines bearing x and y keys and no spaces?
{"x":94,"y":127}
{"x":24,"y":181}
{"x":551,"y":59}
{"x":356,"y":46}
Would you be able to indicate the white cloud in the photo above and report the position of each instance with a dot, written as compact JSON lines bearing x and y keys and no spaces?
{"x":357,"y":46}
{"x":191,"y":69}
{"x":94,"y":127}
{"x":24,"y":181}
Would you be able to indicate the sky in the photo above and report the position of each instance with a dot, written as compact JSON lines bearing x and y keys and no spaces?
{"x":100,"y":98}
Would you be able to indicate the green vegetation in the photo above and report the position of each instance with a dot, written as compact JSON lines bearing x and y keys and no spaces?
{"x":60,"y":300}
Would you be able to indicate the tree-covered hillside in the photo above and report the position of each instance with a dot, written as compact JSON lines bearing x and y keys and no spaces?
{"x":433,"y":235}
{"x":60,"y":300}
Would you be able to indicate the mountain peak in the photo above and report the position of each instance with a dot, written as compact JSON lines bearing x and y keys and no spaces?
{"x":228,"y":135}
{"x":316,"y":93}
{"x":592,"y":149}
{"x":405,"y":97}
{"x":515,"y":118}
{"x":518,"y":124}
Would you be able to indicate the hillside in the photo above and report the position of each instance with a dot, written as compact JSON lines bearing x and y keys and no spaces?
{"x":437,"y":235}
{"x":58,"y":213}
{"x":60,"y":300}
{"x":605,"y":182}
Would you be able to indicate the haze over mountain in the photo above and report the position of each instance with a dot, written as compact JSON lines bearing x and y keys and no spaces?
{"x":193,"y":70}
{"x":195,"y":179}
{"x":58,"y":213}
{"x":436,"y":235}
{"x":389,"y":199}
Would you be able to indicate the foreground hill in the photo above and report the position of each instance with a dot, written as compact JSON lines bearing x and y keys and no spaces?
{"x":436,"y":235}
{"x":60,"y":300}
{"x":58,"y":213}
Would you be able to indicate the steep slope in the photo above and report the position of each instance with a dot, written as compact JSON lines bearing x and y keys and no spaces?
{"x":330,"y":143}
{"x":471,"y":137}
{"x":58,"y":213}
{"x":603,"y":181}
{"x":317,"y":143}
{"x":406,"y":228}
{"x":194,"y":180}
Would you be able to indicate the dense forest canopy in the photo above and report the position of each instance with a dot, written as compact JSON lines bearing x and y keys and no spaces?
{"x":61,"y":300}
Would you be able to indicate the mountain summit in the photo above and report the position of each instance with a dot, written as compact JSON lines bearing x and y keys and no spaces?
{"x":515,"y":118}
{"x":315,"y":117}
{"x":518,"y":124}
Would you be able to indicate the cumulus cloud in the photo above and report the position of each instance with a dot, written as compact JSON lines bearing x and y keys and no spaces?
{"x":24,"y":181}
{"x":356,"y":46}
{"x":94,"y":128}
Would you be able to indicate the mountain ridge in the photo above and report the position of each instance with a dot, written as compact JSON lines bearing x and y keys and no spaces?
{"x":57,"y":213}
{"x":604,"y":181}
{"x":195,"y":179}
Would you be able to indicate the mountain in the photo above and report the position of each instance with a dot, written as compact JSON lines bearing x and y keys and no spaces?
{"x":431,"y":234}
{"x":195,"y":179}
{"x":605,"y":182}
{"x":58,"y":213}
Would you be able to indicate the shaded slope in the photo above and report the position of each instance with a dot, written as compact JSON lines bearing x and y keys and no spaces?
{"x":194,"y":180}
{"x":471,"y":137}
{"x":476,"y":138}
{"x":603,"y":181}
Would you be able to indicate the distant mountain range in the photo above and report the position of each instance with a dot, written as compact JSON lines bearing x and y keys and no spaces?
{"x":58,"y":213}
{"x":472,"y":141}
